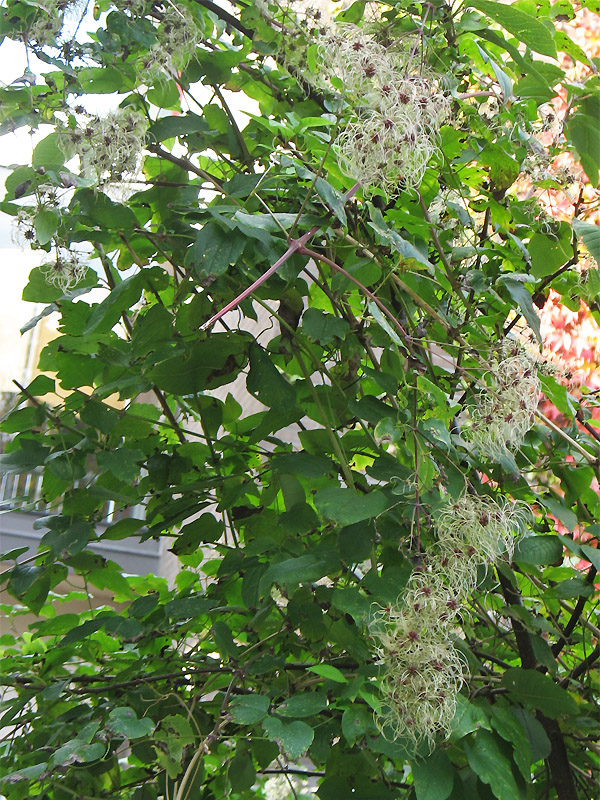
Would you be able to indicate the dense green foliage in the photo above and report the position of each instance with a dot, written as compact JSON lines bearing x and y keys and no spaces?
{"x":394,"y":426}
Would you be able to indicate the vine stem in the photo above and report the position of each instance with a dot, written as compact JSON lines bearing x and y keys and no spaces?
{"x":294,"y":246}
{"x":591,"y":458}
{"x":381,"y":306}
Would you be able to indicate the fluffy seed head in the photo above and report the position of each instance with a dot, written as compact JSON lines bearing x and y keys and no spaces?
{"x":109,"y":147}
{"x":65,"y":271}
{"x":505,"y":411}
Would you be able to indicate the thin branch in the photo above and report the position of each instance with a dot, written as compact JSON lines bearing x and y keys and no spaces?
{"x":226,"y":17}
{"x":582,"y":666}
{"x":576,"y":614}
{"x":382,"y":307}
{"x":564,"y":435}
{"x":294,"y":246}
{"x":186,"y":164}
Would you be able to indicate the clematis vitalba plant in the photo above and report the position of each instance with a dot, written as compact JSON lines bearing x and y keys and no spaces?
{"x":294,"y":257}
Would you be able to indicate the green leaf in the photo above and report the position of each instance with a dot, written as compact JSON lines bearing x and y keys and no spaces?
{"x":295,"y":737}
{"x":125,"y":464}
{"x":120,"y":299}
{"x":538,"y":740}
{"x":188,"y":607}
{"x":31,"y":455}
{"x":558,"y":394}
{"x":323,"y":328}
{"x":26,"y":773}
{"x":71,"y":541}
{"x":250,"y":708}
{"x":124,"y":721}
{"x":305,"y":464}
{"x":434,"y":777}
{"x":346,"y":506}
{"x":214,"y":250}
{"x":525,"y":27}
{"x":109,"y":576}
{"x":181,"y":125}
{"x":510,"y":729}
{"x":329,"y":672}
{"x":46,"y":223}
{"x":468,"y":718}
{"x":537,"y":690}
{"x":384,"y":323}
{"x":584,"y":132}
{"x":302,"y":705}
{"x":548,"y":253}
{"x":590,"y":235}
{"x":266,"y":382}
{"x":591,"y":554}
{"x":357,"y":722}
{"x":574,"y":587}
{"x":77,"y":752}
{"x":48,"y":154}
{"x":561,"y":512}
{"x":489,"y":763}
{"x":104,"y":80}
{"x":41,"y":385}
{"x":539,"y":550}
{"x":174,"y":733}
{"x":208,"y":362}
{"x":241,"y":772}
{"x":524,"y":300}
{"x":333,"y":199}
{"x":293,"y":571}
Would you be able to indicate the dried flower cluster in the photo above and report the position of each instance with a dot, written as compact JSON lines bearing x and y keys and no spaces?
{"x":67,"y":268}
{"x":505,"y":410}
{"x":65,"y":271}
{"x":424,"y":670}
{"x":177,"y":39}
{"x":48,"y":23}
{"x":399,"y":110}
{"x":136,"y":8}
{"x":396,"y":110}
{"x":24,"y":233}
{"x":109,"y":147}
